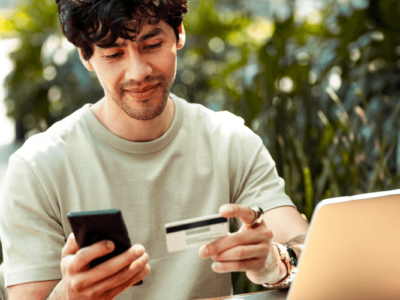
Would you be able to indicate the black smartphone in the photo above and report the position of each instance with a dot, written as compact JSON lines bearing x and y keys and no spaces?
{"x":90,"y":227}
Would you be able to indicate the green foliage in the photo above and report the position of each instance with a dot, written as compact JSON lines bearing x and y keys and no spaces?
{"x":328,"y":139}
{"x":48,"y":82}
{"x":321,"y":92}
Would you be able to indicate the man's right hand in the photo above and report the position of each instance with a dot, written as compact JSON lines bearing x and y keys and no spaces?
{"x":104,"y":281}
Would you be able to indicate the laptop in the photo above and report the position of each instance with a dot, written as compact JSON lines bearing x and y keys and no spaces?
{"x":352,"y":251}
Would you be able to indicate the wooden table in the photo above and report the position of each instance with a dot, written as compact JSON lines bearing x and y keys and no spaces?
{"x":267,"y":295}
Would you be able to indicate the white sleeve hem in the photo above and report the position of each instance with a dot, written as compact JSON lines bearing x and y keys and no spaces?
{"x":32,"y":275}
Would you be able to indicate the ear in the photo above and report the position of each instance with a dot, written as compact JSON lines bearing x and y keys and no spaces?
{"x":85,"y":62}
{"x":182,"y":37}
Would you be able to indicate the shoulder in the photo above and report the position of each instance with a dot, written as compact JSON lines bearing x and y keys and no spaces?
{"x":223,"y":130}
{"x":199,"y":115}
{"x":53,"y":142}
{"x":222,"y":124}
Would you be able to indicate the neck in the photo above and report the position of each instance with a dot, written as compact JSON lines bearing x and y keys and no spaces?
{"x":118,"y":122}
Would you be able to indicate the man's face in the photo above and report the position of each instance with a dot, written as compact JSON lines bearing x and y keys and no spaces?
{"x":139,"y":75}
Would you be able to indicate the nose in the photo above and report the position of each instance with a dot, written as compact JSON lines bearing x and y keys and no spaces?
{"x":138,"y":67}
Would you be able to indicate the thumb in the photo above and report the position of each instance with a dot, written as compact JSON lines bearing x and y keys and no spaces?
{"x":71,"y":247}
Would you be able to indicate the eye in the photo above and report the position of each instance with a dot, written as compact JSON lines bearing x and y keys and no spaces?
{"x":151,"y":47}
{"x":113,"y":56}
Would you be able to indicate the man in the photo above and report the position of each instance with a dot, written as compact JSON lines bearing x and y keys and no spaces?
{"x":155,"y":157}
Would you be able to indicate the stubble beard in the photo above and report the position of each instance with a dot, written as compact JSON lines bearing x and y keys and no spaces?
{"x":146,"y":111}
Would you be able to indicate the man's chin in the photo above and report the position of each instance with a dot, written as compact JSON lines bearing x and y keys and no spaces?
{"x":144,"y":115}
{"x":144,"y":110}
{"x":144,"y":101}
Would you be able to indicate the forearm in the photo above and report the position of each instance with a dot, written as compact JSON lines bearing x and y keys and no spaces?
{"x":37,"y":290}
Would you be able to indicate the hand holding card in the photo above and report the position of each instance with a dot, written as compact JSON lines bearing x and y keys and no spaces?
{"x":249,"y":249}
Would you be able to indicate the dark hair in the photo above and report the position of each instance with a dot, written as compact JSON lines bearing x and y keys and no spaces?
{"x":102,"y":22}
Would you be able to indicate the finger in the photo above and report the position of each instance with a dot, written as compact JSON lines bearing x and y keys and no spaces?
{"x":86,"y":254}
{"x":243,"y":252}
{"x":70,"y":247}
{"x":258,"y":235}
{"x":127,"y":274}
{"x":255,"y":265}
{"x":140,"y":276}
{"x":130,"y":258}
{"x":117,"y":290}
{"x":245,"y":213}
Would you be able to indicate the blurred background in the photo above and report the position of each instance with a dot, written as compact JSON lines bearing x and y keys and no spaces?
{"x":318,"y":80}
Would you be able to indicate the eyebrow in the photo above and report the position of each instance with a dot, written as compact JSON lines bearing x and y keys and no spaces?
{"x":154,"y":32}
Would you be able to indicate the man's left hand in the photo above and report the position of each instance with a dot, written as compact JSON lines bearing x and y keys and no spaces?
{"x":250,"y":249}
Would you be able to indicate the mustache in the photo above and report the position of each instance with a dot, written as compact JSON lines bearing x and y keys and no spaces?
{"x":133,"y":83}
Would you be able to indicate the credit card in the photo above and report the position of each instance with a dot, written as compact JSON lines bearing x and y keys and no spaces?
{"x":195,"y":232}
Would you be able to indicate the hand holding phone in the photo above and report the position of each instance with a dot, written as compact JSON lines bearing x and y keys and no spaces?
{"x":106,"y":280}
{"x":97,"y":271}
{"x":91,"y":227}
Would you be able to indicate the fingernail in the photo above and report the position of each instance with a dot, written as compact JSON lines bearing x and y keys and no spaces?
{"x":228,"y":209}
{"x":203,"y":251}
{"x":215,"y":265}
{"x":139,"y":250}
{"x":145,"y":258}
{"x":110,"y":245}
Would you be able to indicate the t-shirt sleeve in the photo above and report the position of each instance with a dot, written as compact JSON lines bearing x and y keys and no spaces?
{"x":31,"y":235}
{"x":259,"y":183}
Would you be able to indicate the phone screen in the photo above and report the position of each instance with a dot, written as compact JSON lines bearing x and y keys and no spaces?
{"x":90,"y":227}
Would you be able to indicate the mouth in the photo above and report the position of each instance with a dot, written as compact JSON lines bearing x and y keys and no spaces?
{"x":142,"y":94}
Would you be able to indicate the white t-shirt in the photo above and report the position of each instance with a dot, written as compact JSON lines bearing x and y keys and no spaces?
{"x":204,"y":160}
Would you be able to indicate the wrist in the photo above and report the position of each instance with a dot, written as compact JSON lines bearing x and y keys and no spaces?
{"x":291,"y":270}
{"x":279,"y":267}
{"x":58,"y":292}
